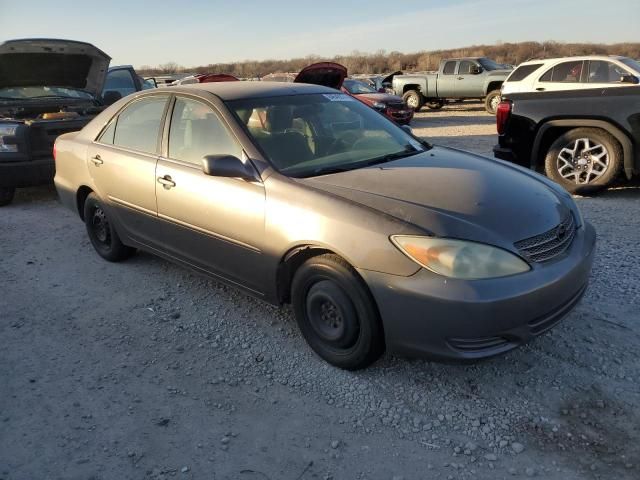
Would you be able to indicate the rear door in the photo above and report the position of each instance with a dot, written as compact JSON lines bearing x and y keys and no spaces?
{"x":212,"y":223}
{"x":122,"y":162}
{"x":447,"y":80}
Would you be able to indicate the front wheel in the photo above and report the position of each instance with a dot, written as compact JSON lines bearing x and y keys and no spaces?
{"x":6,"y":195}
{"x":491,"y":101}
{"x":413,"y":99}
{"x":336,"y":313}
{"x":584,"y":160}
{"x":102,"y":234}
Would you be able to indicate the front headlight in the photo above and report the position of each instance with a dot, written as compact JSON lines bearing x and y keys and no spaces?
{"x":8,"y":130}
{"x":459,"y":258}
{"x":379,"y":105}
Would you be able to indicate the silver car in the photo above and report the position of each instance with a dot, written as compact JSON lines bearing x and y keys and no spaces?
{"x":298,"y":193}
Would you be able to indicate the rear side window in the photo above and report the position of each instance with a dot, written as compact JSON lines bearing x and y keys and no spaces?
{"x":565,"y":72}
{"x":523,"y":72}
{"x":449,"y":68}
{"x":197,"y":131}
{"x":138,"y":125}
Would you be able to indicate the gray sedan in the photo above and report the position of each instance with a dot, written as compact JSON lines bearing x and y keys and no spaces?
{"x":298,"y":193}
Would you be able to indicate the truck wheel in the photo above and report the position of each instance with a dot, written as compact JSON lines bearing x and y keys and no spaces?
{"x":435,"y":105}
{"x":102,"y":234}
{"x":491,"y":101}
{"x":414,"y":99}
{"x":6,"y":195}
{"x":336,"y":313}
{"x":584,"y":160}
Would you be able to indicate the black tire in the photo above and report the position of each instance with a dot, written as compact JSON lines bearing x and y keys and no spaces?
{"x":491,"y":101}
{"x":336,"y":313}
{"x":102,"y":234}
{"x":614,"y":161}
{"x":6,"y":195}
{"x":435,"y":105}
{"x":413,"y":99}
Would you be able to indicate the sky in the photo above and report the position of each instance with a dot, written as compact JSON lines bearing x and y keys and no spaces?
{"x":201,"y":32}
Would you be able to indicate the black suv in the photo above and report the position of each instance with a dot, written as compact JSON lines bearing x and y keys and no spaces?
{"x":49,"y":87}
{"x":582,"y":139}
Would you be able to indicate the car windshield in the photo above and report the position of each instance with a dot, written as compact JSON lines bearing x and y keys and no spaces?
{"x":356,"y":87}
{"x":489,"y":64}
{"x":632,"y":64}
{"x":309,"y":135}
{"x":32,"y":93}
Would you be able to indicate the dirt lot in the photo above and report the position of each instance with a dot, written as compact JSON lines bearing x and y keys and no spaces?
{"x":144,"y":370}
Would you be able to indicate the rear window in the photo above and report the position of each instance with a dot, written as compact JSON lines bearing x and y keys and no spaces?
{"x":523,"y":72}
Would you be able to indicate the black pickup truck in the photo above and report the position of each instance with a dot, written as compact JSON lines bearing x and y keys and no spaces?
{"x":582,"y":139}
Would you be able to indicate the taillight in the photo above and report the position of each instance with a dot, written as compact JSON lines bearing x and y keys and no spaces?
{"x":503,"y":113}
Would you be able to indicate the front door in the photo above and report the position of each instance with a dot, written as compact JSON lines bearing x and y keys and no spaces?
{"x":468,"y":85}
{"x":213,"y":223}
{"x":122,"y":163}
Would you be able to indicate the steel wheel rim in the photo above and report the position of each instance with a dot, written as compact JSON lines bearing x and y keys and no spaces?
{"x":412,"y":101}
{"x":494,"y":102}
{"x":330,"y":319}
{"x":100,"y":226}
{"x":582,"y":161}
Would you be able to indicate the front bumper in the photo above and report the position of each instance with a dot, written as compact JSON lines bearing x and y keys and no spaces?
{"x":30,"y":173}
{"x":432,"y":316}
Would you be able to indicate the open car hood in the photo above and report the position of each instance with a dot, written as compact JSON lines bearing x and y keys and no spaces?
{"x":327,"y":74}
{"x":53,"y":63}
{"x":389,"y":78}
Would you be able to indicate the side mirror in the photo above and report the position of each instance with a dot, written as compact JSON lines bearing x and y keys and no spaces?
{"x":632,"y":79}
{"x":475,"y":70}
{"x":110,"y":97}
{"x":226,"y":166}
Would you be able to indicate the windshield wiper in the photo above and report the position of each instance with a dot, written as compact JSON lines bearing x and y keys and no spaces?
{"x":53,"y":96}
{"x":407,"y":152}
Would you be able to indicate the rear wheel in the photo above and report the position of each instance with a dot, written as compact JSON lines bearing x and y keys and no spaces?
{"x":6,"y":195}
{"x":491,"y":101}
{"x":102,"y":234}
{"x":584,"y":160}
{"x":336,"y":314}
{"x":413,"y":98}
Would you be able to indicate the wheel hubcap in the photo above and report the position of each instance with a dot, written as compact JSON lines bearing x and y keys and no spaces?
{"x":412,"y":101}
{"x":100,"y":226}
{"x":582,"y":161}
{"x":494,"y":102}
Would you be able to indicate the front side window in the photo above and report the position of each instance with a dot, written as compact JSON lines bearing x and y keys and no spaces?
{"x":120,"y":81}
{"x":138,"y":125}
{"x":449,"y":68}
{"x":565,"y":72}
{"x":197,"y":131}
{"x":601,"y":71}
{"x":316,"y":134}
{"x":465,"y":67}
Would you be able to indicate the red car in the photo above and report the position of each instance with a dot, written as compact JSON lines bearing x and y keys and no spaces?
{"x":334,"y":75}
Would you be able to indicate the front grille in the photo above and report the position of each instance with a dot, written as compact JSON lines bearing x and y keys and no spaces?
{"x":549,"y":244}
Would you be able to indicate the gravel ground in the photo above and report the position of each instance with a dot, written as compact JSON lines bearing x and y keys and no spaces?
{"x":146,"y":370}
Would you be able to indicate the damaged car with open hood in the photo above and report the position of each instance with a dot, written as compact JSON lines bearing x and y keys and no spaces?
{"x":47,"y":87}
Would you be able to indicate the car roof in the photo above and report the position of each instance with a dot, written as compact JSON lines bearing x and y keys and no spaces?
{"x":249,"y":89}
{"x":580,"y":57}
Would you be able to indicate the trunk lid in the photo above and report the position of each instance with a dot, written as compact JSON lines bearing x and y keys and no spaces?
{"x":53,"y":63}
{"x":327,"y":74}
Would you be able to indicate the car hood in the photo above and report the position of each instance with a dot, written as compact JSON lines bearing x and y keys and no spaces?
{"x":450,"y":193}
{"x":53,"y":63}
{"x":499,"y":73}
{"x":380,"y":97}
{"x":327,"y":74}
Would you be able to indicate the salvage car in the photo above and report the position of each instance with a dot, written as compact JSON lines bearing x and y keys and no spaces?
{"x":457,"y":79}
{"x":390,"y":105}
{"x":582,"y":139}
{"x":378,"y":239}
{"x":47,"y":87}
{"x":334,"y":75}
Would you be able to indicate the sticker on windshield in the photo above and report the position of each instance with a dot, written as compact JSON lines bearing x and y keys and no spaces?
{"x":338,"y":97}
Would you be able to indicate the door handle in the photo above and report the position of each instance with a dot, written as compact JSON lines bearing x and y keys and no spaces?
{"x":540,"y":89}
{"x":166,"y":182}
{"x":97,"y":160}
